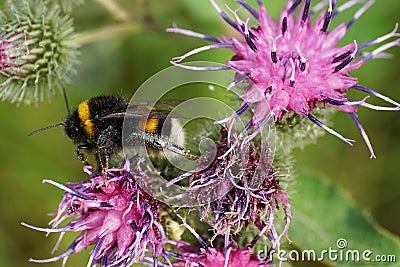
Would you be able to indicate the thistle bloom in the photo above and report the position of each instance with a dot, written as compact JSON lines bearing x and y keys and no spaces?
{"x":211,"y":257}
{"x":295,"y":63}
{"x":37,"y":54}
{"x":253,"y":201}
{"x":119,"y":219}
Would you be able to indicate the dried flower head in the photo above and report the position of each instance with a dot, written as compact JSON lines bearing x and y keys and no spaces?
{"x":119,"y":219}
{"x":37,"y":53}
{"x":295,"y":63}
{"x":254,"y":198}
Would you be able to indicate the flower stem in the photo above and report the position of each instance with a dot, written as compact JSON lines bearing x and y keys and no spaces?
{"x":117,"y":11}
{"x":106,"y":32}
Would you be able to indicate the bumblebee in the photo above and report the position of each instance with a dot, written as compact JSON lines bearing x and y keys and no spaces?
{"x":96,"y":127}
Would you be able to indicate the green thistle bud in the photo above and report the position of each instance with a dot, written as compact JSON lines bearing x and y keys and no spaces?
{"x":37,"y":53}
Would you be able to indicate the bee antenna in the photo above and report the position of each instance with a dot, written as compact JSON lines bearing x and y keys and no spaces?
{"x":66,"y":101}
{"x":46,"y":128}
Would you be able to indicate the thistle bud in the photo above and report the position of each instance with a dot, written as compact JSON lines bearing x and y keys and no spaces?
{"x":37,"y":54}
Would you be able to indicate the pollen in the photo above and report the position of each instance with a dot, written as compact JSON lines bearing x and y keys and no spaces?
{"x":84,"y":116}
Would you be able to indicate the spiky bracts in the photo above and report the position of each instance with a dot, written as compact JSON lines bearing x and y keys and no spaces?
{"x":295,"y":63}
{"x":37,"y":52}
{"x":118,"y":218}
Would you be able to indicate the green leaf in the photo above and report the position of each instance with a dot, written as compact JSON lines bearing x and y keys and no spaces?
{"x":323,"y":216}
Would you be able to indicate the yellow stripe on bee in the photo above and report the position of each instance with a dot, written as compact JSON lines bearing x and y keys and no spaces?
{"x":151,"y":125}
{"x":84,"y":116}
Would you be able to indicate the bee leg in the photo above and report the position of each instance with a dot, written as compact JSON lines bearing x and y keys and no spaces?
{"x":80,"y":154}
{"x":163,"y":143}
{"x":181,"y":151}
{"x":107,"y":143}
{"x":103,"y":160}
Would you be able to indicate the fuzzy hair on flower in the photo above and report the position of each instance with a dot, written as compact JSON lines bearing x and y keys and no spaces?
{"x":118,"y":218}
{"x":37,"y":52}
{"x":295,"y":63}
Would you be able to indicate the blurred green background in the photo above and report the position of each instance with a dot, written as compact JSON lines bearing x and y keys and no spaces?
{"x":119,"y":63}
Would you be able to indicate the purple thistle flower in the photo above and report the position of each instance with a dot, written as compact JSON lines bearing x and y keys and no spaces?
{"x":233,"y":257}
{"x":295,"y":63}
{"x":119,"y":219}
{"x":254,"y":199}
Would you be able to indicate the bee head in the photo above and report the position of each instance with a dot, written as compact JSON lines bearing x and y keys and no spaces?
{"x":73,"y":128}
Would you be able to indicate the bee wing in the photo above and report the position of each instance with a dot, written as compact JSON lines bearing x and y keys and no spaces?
{"x":159,"y":105}
{"x":139,"y":115}
{"x":167,"y":104}
{"x":121,"y":115}
{"x":160,"y":110}
{"x":162,"y":105}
